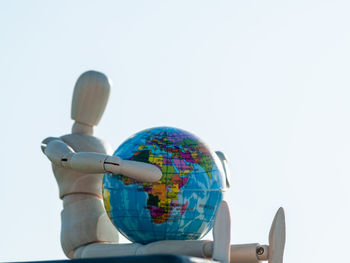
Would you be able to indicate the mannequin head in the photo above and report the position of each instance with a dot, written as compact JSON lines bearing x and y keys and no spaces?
{"x":90,"y":98}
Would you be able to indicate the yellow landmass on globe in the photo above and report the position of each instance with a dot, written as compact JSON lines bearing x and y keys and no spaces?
{"x":160,"y":191}
{"x":158,"y":160}
{"x":106,"y":198}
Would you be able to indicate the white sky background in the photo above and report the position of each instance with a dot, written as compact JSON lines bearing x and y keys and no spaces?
{"x":266,"y":82}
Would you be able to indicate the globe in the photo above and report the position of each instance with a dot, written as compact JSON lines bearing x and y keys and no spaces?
{"x":182,"y":204}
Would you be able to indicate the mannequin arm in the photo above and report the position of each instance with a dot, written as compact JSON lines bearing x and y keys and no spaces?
{"x":223,"y":161}
{"x":62,"y":155}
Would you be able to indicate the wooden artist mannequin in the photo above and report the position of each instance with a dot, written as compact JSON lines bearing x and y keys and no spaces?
{"x":79,"y":161}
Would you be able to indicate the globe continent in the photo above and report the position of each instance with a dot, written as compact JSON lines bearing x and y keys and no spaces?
{"x":182,"y":204}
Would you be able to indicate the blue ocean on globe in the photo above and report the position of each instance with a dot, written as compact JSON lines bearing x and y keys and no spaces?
{"x":180,"y":206}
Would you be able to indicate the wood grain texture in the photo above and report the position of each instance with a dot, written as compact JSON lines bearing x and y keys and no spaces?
{"x":90,"y":97}
{"x":221,"y":234}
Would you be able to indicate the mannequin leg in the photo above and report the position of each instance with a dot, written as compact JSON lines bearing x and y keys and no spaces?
{"x":195,"y":248}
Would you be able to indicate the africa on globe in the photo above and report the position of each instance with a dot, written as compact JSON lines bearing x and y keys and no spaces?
{"x":182,"y":204}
